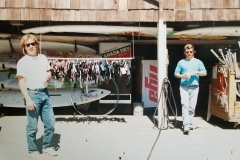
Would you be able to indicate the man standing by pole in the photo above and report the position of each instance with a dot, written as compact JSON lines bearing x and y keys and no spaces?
{"x":33,"y":72}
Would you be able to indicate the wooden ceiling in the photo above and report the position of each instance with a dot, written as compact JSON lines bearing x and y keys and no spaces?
{"x":177,"y":14}
{"x":119,"y":10}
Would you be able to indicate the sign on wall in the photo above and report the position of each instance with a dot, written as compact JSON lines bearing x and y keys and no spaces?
{"x":115,"y":50}
{"x":149,"y":83}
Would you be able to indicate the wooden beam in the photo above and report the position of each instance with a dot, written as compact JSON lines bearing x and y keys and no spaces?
{"x":196,"y":15}
{"x":50,"y":4}
{"x":206,"y":4}
{"x":115,"y":4}
{"x":216,"y":4}
{"x":45,"y":14}
{"x":223,"y":14}
{"x":3,"y":14}
{"x":180,"y":15}
{"x":236,"y":3}
{"x":155,"y":16}
{"x":169,"y":4}
{"x":231,"y":94}
{"x":143,"y":16}
{"x":13,"y":14}
{"x":76,"y":15}
{"x":109,"y":4}
{"x":35,"y":14}
{"x":212,"y":10}
{"x":215,"y":14}
{"x":170,"y":15}
{"x":134,"y":16}
{"x":99,"y":15}
{"x":113,"y":15}
{"x":63,"y":4}
{"x":121,"y":15}
{"x":207,"y":15}
{"x":83,"y":4}
{"x":123,"y":4}
{"x":99,"y":4}
{"x":2,"y":4}
{"x":133,"y":4}
{"x":31,"y":3}
{"x":91,"y":15}
{"x":42,"y":3}
{"x":84,"y":15}
{"x":229,"y":4}
{"x":19,"y":4}
{"x":149,"y":15}
{"x":74,"y":4}
{"x":196,"y":4}
{"x":238,"y":14}
{"x":25,"y":14}
{"x":9,"y":3}
{"x":188,"y":15}
{"x":57,"y":15}
{"x":68,"y":15}
{"x":182,"y":4}
{"x":105,"y":15}
{"x":232,"y":15}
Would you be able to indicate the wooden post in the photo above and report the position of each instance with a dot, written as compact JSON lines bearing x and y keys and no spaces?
{"x":231,"y":94}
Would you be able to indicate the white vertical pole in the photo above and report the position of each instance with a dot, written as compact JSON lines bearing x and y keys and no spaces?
{"x":162,"y":63}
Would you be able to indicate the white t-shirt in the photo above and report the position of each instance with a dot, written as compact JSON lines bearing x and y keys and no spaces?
{"x":34,"y":70}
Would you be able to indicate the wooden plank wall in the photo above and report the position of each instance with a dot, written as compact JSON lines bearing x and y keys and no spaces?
{"x":120,"y":10}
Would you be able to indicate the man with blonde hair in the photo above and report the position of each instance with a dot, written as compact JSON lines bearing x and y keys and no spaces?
{"x":33,"y":73}
{"x":189,"y":70}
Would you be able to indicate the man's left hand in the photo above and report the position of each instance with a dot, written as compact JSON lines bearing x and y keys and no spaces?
{"x":49,"y":76}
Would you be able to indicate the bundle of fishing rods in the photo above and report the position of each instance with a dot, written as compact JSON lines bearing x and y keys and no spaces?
{"x":228,"y":60}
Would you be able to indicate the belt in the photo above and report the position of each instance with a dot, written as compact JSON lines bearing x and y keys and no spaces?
{"x":38,"y":89}
{"x":189,"y":85}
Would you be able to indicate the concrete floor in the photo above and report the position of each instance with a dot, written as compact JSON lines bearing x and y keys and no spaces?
{"x":122,"y":137}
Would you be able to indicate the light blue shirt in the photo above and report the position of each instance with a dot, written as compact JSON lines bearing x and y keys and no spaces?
{"x":185,"y":66}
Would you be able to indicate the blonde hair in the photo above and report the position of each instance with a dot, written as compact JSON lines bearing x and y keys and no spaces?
{"x":26,"y":38}
{"x":188,"y":46}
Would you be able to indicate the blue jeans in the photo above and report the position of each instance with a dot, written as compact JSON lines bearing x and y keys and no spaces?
{"x":45,"y":111}
{"x":189,"y":95}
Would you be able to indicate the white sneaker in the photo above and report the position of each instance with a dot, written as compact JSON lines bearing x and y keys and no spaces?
{"x":192,"y":127}
{"x":50,"y":151}
{"x":186,"y":129}
{"x":35,"y":155}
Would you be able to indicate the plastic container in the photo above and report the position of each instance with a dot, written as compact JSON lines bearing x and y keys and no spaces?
{"x":138,"y":108}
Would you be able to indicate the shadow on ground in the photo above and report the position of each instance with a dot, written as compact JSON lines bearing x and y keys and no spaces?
{"x":177,"y":124}
{"x":69,"y":110}
{"x":55,"y":142}
{"x":91,"y":119}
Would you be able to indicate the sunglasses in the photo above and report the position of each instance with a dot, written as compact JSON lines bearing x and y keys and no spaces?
{"x":189,"y":51}
{"x":32,"y":44}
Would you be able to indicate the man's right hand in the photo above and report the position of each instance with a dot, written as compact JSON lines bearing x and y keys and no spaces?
{"x":30,"y":105}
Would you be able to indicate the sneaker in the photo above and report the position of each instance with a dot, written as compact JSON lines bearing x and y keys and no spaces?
{"x":35,"y":155}
{"x":186,"y":129}
{"x":192,"y":127}
{"x":50,"y":151}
